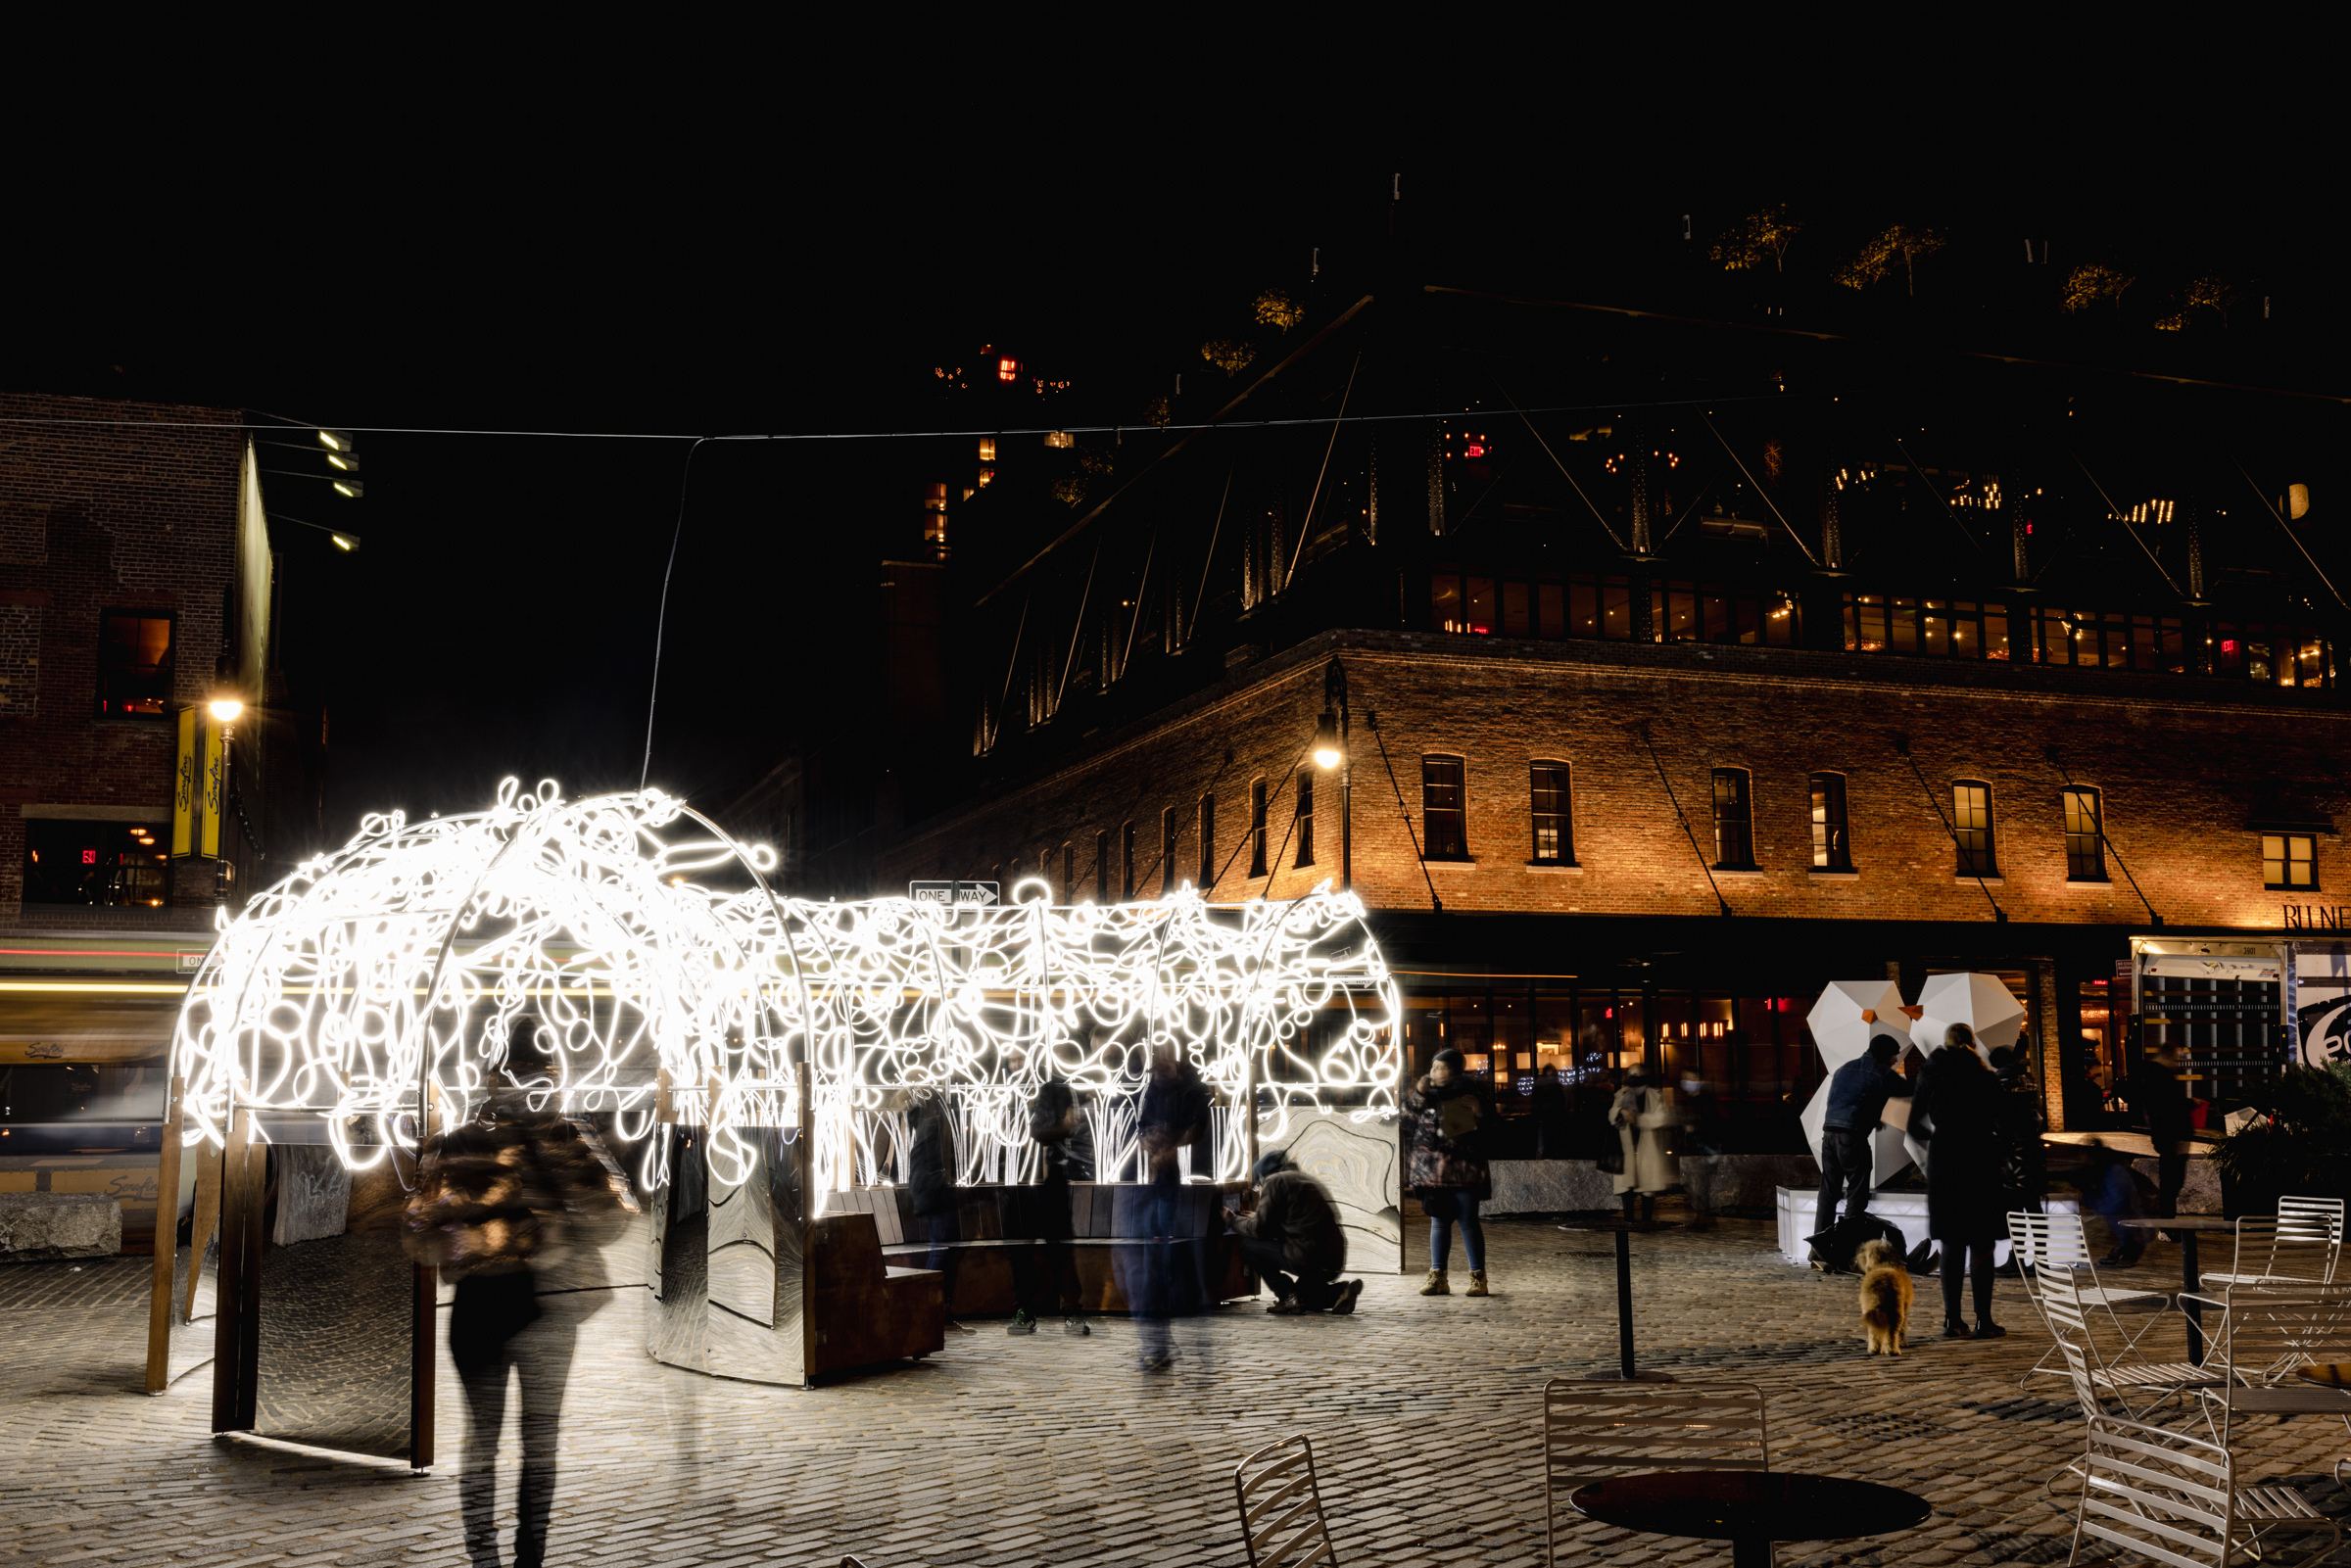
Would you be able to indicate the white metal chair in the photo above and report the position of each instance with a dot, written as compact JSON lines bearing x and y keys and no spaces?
{"x":2128,"y":1372}
{"x":2296,"y":1246}
{"x":1592,"y":1431}
{"x":2057,"y":1243}
{"x":2264,"y":1335}
{"x":1281,"y":1507}
{"x":2173,"y":1497}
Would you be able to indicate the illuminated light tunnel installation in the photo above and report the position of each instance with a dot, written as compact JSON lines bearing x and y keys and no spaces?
{"x":397,"y":964}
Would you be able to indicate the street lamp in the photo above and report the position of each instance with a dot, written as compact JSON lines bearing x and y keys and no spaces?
{"x":1330,"y":751}
{"x":224,"y":710}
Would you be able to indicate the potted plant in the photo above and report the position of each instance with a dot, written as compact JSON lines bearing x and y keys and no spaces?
{"x":2296,"y":1145}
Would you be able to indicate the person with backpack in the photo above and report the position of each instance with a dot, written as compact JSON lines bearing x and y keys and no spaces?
{"x":1049,"y":1284}
{"x":1294,"y":1241}
{"x":500,"y":1196}
{"x":1447,"y":1116}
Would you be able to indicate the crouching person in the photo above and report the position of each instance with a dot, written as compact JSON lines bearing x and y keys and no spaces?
{"x":1293,"y":1240}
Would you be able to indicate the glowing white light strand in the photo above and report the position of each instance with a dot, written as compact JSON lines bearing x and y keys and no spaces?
{"x":404,"y":957}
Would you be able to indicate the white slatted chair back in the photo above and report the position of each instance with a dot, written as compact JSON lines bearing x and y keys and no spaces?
{"x":1281,"y":1507}
{"x":2266,"y":1331}
{"x":2157,"y":1494}
{"x":2317,"y":1224}
{"x":1592,"y":1431}
{"x":2272,"y":1249}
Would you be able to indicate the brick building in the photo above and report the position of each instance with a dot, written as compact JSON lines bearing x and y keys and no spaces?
{"x":1685,"y":666}
{"x":138,"y":579}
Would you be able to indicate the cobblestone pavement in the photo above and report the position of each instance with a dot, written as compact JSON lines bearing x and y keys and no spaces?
{"x":1059,"y":1451}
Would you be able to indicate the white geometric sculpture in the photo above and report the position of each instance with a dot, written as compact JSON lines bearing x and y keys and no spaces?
{"x":646,"y":946}
{"x":1843,"y":1033}
{"x":1979,"y":1000}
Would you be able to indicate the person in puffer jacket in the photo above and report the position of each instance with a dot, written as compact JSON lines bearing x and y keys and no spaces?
{"x":499,"y":1198}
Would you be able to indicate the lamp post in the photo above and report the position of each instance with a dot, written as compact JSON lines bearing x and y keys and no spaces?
{"x":1330,"y":751}
{"x":224,"y":711}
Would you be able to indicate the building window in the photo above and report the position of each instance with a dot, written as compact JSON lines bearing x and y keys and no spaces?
{"x":1126,"y":863}
{"x":1102,"y":865}
{"x":1208,"y":844}
{"x":1971,"y":823}
{"x":2084,"y":837}
{"x":1548,"y":802}
{"x":112,"y":864}
{"x":1257,"y":828}
{"x":1069,"y":871}
{"x":134,"y":664}
{"x":1443,"y":809}
{"x":2289,"y":863}
{"x":1306,"y":818}
{"x":1166,"y":852}
{"x":1832,"y":849}
{"x":1733,"y":821}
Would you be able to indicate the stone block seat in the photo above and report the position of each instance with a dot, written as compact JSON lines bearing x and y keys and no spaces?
{"x":864,"y":1310}
{"x":40,"y":1226}
{"x":997,"y":1227}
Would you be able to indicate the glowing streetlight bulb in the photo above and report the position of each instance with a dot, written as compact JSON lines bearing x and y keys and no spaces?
{"x":225,"y":709}
{"x":1329,"y":750}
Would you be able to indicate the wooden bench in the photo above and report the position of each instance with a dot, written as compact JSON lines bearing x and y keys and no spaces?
{"x":997,"y":1228}
{"x":863,"y":1311}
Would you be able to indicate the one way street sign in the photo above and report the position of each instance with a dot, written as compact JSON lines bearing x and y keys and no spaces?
{"x":980,"y":893}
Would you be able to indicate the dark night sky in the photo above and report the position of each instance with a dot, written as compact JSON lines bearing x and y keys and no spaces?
{"x":718,"y":225}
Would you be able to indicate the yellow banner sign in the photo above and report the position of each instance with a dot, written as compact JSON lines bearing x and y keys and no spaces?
{"x":183,"y":789}
{"x":213,"y":778}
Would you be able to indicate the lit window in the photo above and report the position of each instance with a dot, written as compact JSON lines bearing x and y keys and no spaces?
{"x":1733,"y":821}
{"x":1008,"y":369}
{"x":134,"y":664}
{"x":1832,"y":847}
{"x":2084,"y":837}
{"x":2289,"y":862}
{"x":1305,"y":818}
{"x":1549,"y":806}
{"x":1971,"y":823}
{"x":108,"y":864}
{"x":1443,"y":808}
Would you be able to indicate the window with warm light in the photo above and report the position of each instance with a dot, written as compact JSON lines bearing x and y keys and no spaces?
{"x":1304,"y":829}
{"x":1733,"y":821}
{"x":2289,"y":862}
{"x":1832,"y":841}
{"x":1444,"y":808}
{"x":1548,"y":804}
{"x":134,"y":664}
{"x":1971,"y":824}
{"x":2085,"y":837}
{"x":1257,"y":828}
{"x":115,"y":865}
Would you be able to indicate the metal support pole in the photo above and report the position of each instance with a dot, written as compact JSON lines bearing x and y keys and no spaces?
{"x":1624,"y":1304}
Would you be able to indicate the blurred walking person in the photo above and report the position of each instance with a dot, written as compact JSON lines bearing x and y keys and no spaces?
{"x":1447,"y":1116}
{"x":1956,"y":1115}
{"x":506,"y":1194}
{"x":1049,"y":1284}
{"x":1643,"y":1115}
{"x":1174,"y":1118}
{"x":1293,"y":1238}
{"x":932,"y":1178}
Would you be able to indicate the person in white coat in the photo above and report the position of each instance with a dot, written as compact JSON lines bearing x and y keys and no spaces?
{"x":1643,"y":1115}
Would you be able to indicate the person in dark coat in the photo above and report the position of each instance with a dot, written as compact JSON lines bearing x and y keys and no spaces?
{"x":932,"y":1178}
{"x":1857,"y":1097}
{"x":2024,"y":1160}
{"x":1955,"y":1114}
{"x":1173,"y":1116}
{"x":1050,"y":1285}
{"x":1293,"y":1238}
{"x":2161,"y":1099}
{"x":1446,"y":1118}
{"x":501,"y":1195}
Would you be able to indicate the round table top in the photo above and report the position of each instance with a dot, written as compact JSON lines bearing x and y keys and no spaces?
{"x":1750,"y":1505}
{"x":2179,"y":1222}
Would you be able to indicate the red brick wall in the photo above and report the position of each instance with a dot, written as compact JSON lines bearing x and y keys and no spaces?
{"x":99,"y":516}
{"x":2176,"y":760}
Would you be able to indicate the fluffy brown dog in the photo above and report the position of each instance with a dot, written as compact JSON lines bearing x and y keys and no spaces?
{"x":1885,"y":1296}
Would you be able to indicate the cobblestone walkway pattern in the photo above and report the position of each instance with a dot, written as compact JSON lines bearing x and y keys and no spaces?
{"x":1054,"y":1450}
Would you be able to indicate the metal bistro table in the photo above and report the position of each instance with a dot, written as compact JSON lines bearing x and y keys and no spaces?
{"x":1624,"y":1228}
{"x":1749,"y":1508}
{"x":2191,"y":1281}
